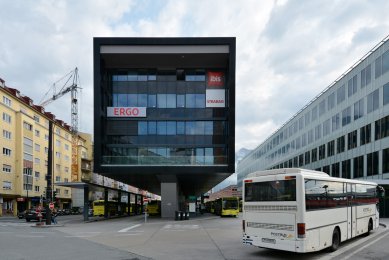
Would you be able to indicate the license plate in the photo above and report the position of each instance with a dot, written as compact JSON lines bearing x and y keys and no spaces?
{"x":268,"y":240}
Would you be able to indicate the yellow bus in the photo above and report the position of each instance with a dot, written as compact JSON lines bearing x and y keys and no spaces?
{"x":228,"y":206}
{"x":154,"y":207}
{"x":98,"y":208}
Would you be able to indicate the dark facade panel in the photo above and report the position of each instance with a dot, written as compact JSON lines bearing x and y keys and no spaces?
{"x":165,"y":107}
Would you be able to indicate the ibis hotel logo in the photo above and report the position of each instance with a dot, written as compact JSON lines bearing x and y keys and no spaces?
{"x":215,"y":92}
{"x":126,"y":111}
{"x":215,"y":79}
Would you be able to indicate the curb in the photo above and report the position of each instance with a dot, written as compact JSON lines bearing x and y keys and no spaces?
{"x":43,"y":225}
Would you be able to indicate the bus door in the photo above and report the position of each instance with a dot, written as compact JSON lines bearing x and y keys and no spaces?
{"x":351,"y":211}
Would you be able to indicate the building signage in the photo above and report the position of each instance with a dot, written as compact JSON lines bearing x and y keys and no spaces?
{"x":126,"y":111}
{"x":215,"y":98}
{"x":215,"y":79}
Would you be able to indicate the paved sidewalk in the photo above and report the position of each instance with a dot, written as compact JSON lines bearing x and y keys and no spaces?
{"x":384,"y":222}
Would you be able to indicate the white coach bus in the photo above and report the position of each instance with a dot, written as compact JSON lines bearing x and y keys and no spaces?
{"x":302,"y":211}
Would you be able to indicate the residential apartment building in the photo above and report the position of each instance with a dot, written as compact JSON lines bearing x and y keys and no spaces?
{"x":344,"y":131}
{"x":24,"y":153}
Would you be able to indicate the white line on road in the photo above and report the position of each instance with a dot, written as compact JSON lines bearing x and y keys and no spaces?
{"x":361,"y":248}
{"x":129,"y":228}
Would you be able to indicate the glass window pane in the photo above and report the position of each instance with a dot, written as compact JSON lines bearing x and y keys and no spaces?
{"x":171,"y":100}
{"x":122,"y":100}
{"x":161,"y":128}
{"x":161,"y":100}
{"x":200,"y":100}
{"x":171,"y":128}
{"x":180,"y":128}
{"x":132,"y":100}
{"x":180,"y":100}
{"x":142,"y":128}
{"x":152,"y":101}
{"x":199,"y":128}
{"x":190,"y":100}
{"x":190,"y":128}
{"x":386,"y":94}
{"x":142,"y":100}
{"x":208,"y":128}
{"x":385,"y":62}
{"x":152,"y":128}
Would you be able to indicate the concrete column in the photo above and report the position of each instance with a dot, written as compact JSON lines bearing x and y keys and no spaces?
{"x":129,"y":204}
{"x":105,"y":203}
{"x":120,"y":210}
{"x":86,"y":203}
{"x":169,"y":203}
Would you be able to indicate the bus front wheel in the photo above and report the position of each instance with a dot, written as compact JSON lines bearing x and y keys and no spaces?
{"x":335,"y":240}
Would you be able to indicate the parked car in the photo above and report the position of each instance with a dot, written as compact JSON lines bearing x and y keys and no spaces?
{"x":33,"y":214}
{"x":21,"y":214}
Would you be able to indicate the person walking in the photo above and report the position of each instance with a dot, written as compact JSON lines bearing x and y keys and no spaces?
{"x":54,"y":216}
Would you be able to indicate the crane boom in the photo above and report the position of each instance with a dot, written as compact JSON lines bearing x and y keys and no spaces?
{"x":74,"y":114}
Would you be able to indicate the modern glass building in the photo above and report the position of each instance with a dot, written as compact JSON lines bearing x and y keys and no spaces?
{"x":344,"y":131}
{"x":165,"y":114}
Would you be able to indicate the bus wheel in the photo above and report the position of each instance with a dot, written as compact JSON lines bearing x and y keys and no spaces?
{"x":369,"y":227}
{"x":335,"y":240}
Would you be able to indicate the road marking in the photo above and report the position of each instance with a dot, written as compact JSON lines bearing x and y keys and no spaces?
{"x":28,"y":236}
{"x":129,"y":228}
{"x":180,"y":227}
{"x":356,"y":243}
{"x":361,"y":248}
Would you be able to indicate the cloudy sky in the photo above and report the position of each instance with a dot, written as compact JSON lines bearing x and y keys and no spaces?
{"x":287,"y":51}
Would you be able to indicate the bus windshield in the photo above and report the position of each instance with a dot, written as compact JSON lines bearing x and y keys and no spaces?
{"x":282,"y":190}
{"x":230,"y":204}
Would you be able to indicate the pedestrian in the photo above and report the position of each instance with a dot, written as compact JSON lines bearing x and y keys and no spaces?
{"x":54,"y":216}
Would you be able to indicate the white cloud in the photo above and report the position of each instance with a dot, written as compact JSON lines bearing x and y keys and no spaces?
{"x":287,"y":51}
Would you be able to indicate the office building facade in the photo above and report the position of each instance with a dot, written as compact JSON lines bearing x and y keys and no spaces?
{"x":344,"y":131}
{"x":165,"y":114}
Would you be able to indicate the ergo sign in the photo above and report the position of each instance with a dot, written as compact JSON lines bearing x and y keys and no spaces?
{"x":215,"y":79}
{"x":126,"y":111}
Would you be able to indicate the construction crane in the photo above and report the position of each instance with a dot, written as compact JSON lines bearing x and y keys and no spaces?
{"x":71,"y":85}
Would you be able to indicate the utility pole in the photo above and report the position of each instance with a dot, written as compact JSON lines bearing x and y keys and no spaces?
{"x":49,"y":177}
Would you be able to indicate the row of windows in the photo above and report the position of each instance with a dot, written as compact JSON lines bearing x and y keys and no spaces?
{"x":321,"y":194}
{"x":333,"y":124}
{"x":175,"y":128}
{"x":343,"y":169}
{"x":164,"y":155}
{"x":154,"y":75}
{"x":359,"y":109}
{"x":159,"y":100}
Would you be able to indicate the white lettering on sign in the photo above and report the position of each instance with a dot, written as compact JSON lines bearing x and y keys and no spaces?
{"x":215,"y":98}
{"x":126,"y":112}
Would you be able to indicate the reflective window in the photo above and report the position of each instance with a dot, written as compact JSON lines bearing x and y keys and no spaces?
{"x":386,"y":94}
{"x":161,"y":100}
{"x":322,"y":108}
{"x":180,"y":127}
{"x":152,"y":125}
{"x":346,"y":116}
{"x":181,"y":101}
{"x":190,"y":128}
{"x":142,"y":128}
{"x":335,"y":122}
{"x":366,"y":76}
{"x":373,"y":101}
{"x":340,"y":144}
{"x":365,"y":134}
{"x":122,"y":100}
{"x":324,"y":194}
{"x":190,"y":100}
{"x":358,"y":167}
{"x":161,"y":127}
{"x":142,"y":100}
{"x":358,"y":109}
{"x":271,"y":191}
{"x":341,"y":94}
{"x":171,"y":100}
{"x":352,"y":86}
{"x":372,"y":164}
{"x":152,"y":101}
{"x":352,"y":140}
{"x":331,"y":101}
{"x":314,"y":113}
{"x":385,"y":62}
{"x":346,"y":169}
{"x":378,"y":67}
{"x":171,"y":128}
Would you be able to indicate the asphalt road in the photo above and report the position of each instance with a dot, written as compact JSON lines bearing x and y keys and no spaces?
{"x":208,"y":237}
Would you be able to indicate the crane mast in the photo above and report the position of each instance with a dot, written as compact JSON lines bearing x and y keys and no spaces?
{"x":73,"y":79}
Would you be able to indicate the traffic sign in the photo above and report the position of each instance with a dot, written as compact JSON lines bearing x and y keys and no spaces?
{"x":51,"y":205}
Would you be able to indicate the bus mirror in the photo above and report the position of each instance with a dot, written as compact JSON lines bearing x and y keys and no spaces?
{"x":380,"y":192}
